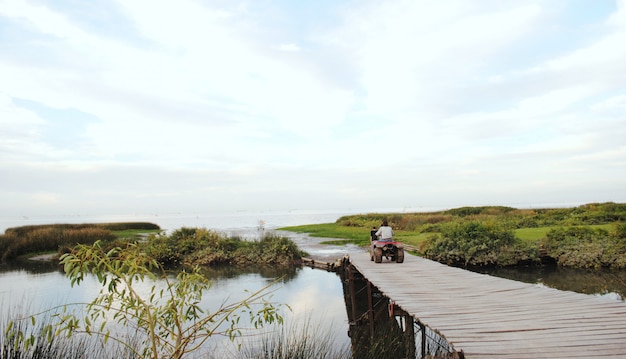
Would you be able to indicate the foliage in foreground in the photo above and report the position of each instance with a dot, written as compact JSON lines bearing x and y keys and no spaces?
{"x":169,"y":321}
{"x":295,"y":341}
{"x":49,"y":346}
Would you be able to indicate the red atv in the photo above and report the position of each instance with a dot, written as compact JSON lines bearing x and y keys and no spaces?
{"x":391,"y":250}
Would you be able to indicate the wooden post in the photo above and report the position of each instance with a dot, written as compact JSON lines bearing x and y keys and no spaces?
{"x":423,"y":344}
{"x":370,"y":308}
{"x":352,"y":294}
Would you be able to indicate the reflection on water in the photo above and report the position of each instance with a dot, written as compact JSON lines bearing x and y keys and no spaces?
{"x":312,"y":295}
{"x":597,"y":282}
{"x":32,"y":267}
{"x":267,"y":272}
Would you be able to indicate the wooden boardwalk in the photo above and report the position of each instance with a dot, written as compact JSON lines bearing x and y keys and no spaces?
{"x":490,"y":317}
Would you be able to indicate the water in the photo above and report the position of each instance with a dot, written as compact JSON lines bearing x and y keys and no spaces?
{"x":224,"y":221}
{"x":314,"y":296}
{"x":608,"y":283}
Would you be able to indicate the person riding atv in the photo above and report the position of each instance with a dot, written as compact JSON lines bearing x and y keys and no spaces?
{"x":383,"y":245}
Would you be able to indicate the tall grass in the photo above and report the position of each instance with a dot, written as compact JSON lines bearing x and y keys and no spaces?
{"x":294,"y":341}
{"x":60,"y":237}
{"x":115,"y":226}
{"x":280,"y":342}
{"x":47,"y":239}
{"x":46,"y":345}
{"x":301,"y":339}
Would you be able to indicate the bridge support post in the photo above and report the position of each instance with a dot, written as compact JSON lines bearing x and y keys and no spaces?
{"x":409,"y":332}
{"x":370,"y":309}
{"x":423,"y":336}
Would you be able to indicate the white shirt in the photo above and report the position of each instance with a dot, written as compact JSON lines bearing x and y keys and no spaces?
{"x":384,"y":232}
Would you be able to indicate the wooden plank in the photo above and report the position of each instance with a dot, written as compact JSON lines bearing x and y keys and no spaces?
{"x":489,"y":317}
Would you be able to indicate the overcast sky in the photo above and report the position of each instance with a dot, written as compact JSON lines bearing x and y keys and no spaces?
{"x":137,"y":106}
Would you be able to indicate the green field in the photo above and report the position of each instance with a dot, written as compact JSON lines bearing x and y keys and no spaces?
{"x":592,"y":235}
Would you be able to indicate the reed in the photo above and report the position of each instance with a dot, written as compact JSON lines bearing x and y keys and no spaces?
{"x":46,"y":239}
{"x":292,"y":341}
{"x":46,"y":345}
{"x":18,"y":241}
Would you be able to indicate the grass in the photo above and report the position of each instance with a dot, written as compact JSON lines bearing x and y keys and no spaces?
{"x":359,"y":235}
{"x":534,"y":235}
{"x":37,"y":239}
{"x":304,"y":340}
{"x":292,"y":341}
{"x":355,"y":235}
{"x":46,"y":345}
{"x":494,"y":235}
{"x":122,"y":235}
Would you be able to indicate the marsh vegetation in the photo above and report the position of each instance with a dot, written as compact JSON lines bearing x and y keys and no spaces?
{"x":588,"y":236}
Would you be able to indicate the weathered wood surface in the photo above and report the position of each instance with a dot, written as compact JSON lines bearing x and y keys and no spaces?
{"x":490,"y":317}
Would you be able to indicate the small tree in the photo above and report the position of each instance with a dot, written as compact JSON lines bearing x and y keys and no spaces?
{"x":170,"y":318}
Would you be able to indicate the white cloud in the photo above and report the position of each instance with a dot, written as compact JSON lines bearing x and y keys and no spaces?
{"x":288,"y":47}
{"x":398,"y":103}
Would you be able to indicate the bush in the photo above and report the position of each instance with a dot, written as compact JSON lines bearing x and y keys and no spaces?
{"x":587,"y":247}
{"x":199,"y":246}
{"x":473,"y":244}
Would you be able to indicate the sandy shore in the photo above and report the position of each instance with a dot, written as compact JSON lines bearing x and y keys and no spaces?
{"x":44,"y":257}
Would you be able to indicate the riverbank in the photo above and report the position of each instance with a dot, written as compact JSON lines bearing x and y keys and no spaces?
{"x":588,"y":236}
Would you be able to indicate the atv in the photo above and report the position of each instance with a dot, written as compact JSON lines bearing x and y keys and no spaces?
{"x":391,"y":250}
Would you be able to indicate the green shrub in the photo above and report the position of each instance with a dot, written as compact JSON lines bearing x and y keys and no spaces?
{"x":278,"y":250}
{"x":587,"y":247}
{"x":472,"y":243}
{"x":199,"y":246}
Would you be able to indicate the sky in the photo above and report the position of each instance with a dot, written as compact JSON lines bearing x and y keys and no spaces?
{"x":137,"y":106}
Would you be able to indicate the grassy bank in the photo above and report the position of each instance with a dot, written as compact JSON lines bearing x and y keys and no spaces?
{"x":185,"y":246}
{"x":19,"y":241}
{"x":200,"y":246}
{"x":588,"y":236}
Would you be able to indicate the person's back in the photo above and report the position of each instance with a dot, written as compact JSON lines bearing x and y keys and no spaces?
{"x":385,"y":232}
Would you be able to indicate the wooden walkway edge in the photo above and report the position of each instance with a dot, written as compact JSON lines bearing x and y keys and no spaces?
{"x":490,"y":317}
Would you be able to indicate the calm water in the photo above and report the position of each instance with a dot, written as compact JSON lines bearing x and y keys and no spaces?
{"x":593,"y":282}
{"x":246,"y":221}
{"x":314,"y":296}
